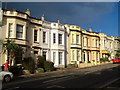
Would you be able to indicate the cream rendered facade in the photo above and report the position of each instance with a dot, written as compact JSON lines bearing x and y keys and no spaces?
{"x":106,"y":46}
{"x":116,"y":45}
{"x":20,"y":27}
{"x":74,"y":44}
{"x":110,"y":47}
{"x":90,"y":47}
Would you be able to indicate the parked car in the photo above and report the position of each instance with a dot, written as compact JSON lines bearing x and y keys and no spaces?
{"x":5,"y":76}
{"x":117,"y":60}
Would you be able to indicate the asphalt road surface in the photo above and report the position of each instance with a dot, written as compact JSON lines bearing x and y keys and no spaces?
{"x":91,"y":78}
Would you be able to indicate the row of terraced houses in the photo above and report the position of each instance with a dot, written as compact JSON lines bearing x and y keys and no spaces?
{"x":62,"y":44}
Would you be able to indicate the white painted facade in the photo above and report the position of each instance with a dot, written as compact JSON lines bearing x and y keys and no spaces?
{"x":55,"y":45}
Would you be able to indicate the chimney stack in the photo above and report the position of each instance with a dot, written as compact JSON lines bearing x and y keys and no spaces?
{"x":28,"y":12}
{"x":43,"y":17}
{"x":90,"y":29}
{"x":58,"y":21}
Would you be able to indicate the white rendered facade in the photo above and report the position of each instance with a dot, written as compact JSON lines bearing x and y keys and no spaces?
{"x":54,"y":41}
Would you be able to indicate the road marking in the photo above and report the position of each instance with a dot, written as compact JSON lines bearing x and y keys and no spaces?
{"x":91,"y":71}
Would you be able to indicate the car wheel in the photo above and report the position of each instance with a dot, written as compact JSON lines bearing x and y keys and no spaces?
{"x":7,"y":78}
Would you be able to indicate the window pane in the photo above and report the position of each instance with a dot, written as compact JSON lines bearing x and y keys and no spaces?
{"x":73,"y":55}
{"x":19,"y":28}
{"x":78,"y":55}
{"x":60,"y":57}
{"x":35,"y":52}
{"x":10,"y":29}
{"x":19,"y":31}
{"x":60,"y":38}
{"x":44,"y":37}
{"x":35,"y":35}
{"x":77,"y":39}
{"x":44,"y":54}
{"x":54,"y":38}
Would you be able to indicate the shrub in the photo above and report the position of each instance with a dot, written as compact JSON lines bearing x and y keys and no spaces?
{"x":40,"y":62}
{"x":29,"y":64}
{"x":72,"y":66}
{"x":40,"y":70}
{"x":104,"y":59}
{"x":48,"y":66}
{"x":16,"y":70}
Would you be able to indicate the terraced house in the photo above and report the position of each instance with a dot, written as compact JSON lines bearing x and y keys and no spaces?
{"x":90,"y":46}
{"x":116,"y":45}
{"x":74,"y":44}
{"x":106,"y":46}
{"x":54,"y":42}
{"x":22,"y":28}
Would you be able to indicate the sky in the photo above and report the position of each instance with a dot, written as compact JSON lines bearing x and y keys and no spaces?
{"x":100,"y":16}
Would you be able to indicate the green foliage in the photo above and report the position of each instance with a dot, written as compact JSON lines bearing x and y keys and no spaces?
{"x":40,"y":70}
{"x":40,"y":62}
{"x":12,"y":48}
{"x":29,"y":64}
{"x":72,"y":66}
{"x":104,"y":59}
{"x":48,"y":66}
{"x":117,"y":54}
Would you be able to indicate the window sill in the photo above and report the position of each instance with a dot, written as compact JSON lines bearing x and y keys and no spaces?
{"x":45,"y":43}
{"x":36,"y":42}
{"x":75,"y":44}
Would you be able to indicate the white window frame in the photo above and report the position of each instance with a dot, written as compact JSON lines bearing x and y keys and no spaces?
{"x":72,"y":38}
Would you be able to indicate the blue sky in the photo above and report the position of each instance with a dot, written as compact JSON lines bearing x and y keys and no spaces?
{"x":101,"y":16}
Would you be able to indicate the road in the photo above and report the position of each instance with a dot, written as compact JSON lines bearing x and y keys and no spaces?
{"x":88,"y":78}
